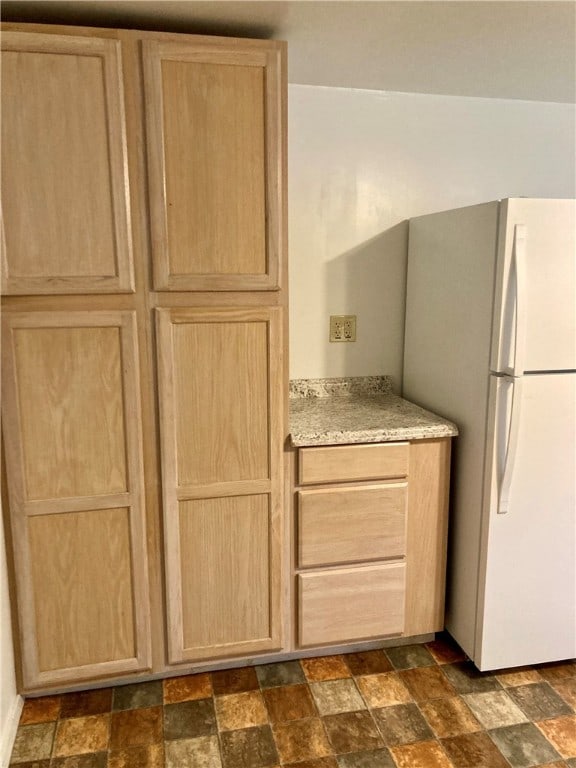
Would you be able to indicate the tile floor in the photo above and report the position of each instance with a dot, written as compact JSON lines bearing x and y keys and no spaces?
{"x":419,"y":706}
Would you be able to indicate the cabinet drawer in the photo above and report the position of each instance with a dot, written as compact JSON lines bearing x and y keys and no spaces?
{"x":347,"y":525}
{"x":351,"y":604}
{"x":353,"y":462}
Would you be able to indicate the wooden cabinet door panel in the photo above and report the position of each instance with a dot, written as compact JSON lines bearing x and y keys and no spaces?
{"x":214,"y":138}
{"x":221,"y":428}
{"x":225,"y":562}
{"x":64,"y":173}
{"x":71,"y":425}
{"x":69,"y":388}
{"x":221,"y":387}
{"x":347,"y":604}
{"x":81,"y":581}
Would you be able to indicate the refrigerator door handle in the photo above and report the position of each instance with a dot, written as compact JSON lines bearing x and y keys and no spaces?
{"x":519,"y":257}
{"x":511,"y":447}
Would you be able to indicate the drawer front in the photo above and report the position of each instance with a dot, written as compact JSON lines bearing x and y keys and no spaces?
{"x":351,"y":604}
{"x":353,"y":462}
{"x":347,"y":525}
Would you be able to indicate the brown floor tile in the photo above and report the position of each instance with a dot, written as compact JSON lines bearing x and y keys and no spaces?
{"x":426,"y":754}
{"x":352,"y":732}
{"x":444,"y":650}
{"x":519,"y":677}
{"x":84,"y":703}
{"x":379,"y":758}
{"x":301,"y":740}
{"x":410,"y":656}
{"x":187,"y":688}
{"x":539,"y":701}
{"x":189,"y":719}
{"x":557,"y":764}
{"x":234,"y":681}
{"x":561,"y":732}
{"x":449,"y":717}
{"x":202,"y":752}
{"x":93,"y":760}
{"x":567,"y":689}
{"x":325,"y":668}
{"x":240,"y":710}
{"x":43,"y":710}
{"x":494,"y":709}
{"x":283,"y":673}
{"x":79,"y":735}
{"x":558,"y":671}
{"x":33,"y":742}
{"x":248,"y":748}
{"x":467,"y":679}
{"x":136,"y":728}
{"x":523,"y":745}
{"x":473,"y":750}
{"x":383,"y":690}
{"x":138,"y":695}
{"x":335,"y":696}
{"x":402,"y":724}
{"x":32,"y":764}
{"x":290,"y":702}
{"x":151,"y":756}
{"x":320,"y":762}
{"x":426,"y":683}
{"x":368,"y":663}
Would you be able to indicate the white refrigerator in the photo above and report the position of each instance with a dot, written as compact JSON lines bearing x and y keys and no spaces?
{"x":490,"y":343}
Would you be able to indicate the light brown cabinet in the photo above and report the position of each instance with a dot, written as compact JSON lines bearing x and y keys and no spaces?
{"x":213,"y":114}
{"x":144,"y":430}
{"x":221,"y":444}
{"x":144,"y":401}
{"x":65,"y":191}
{"x":370,"y":541}
{"x":73,"y":444}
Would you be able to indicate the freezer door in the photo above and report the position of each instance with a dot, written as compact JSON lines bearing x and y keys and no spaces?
{"x":534,"y":326}
{"x":527,"y":595}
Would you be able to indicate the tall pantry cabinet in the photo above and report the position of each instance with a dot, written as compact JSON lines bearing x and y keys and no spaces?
{"x":143,"y":350}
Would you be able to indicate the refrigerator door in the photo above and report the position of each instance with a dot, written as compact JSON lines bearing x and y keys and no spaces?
{"x":527,"y":577}
{"x":534,"y":326}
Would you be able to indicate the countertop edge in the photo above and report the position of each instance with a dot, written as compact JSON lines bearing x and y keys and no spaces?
{"x":303,"y":440}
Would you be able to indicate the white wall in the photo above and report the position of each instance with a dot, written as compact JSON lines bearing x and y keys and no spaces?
{"x":363,"y":162}
{"x":10,"y":702}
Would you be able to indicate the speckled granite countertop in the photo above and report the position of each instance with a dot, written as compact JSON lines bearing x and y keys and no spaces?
{"x":357,"y":410}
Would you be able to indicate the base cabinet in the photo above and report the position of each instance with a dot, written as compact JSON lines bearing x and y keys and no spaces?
{"x":370,"y":533}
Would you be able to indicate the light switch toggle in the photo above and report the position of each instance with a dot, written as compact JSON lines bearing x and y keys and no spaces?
{"x":342,"y":327}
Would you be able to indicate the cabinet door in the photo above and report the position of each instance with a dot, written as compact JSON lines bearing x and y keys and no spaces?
{"x":220,"y":388}
{"x":215,"y":142}
{"x":71,"y":418}
{"x":64,"y":174}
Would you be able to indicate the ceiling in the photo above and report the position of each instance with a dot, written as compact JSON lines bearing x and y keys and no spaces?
{"x":524,"y":49}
